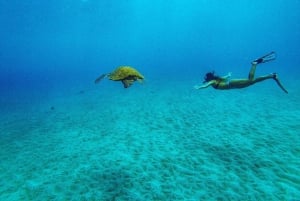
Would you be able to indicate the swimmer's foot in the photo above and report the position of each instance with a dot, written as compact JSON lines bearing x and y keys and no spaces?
{"x":275,"y":77}
{"x":255,"y":62}
{"x":196,"y":87}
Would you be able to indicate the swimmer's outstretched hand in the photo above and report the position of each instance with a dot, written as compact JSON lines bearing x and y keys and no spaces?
{"x":197,"y":87}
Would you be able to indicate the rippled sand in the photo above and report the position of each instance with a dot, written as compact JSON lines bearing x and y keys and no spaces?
{"x":155,"y":141}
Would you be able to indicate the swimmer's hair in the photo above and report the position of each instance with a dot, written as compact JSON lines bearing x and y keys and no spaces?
{"x":210,"y":76}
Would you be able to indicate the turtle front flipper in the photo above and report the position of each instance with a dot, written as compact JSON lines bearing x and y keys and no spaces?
{"x":141,"y":81}
{"x":100,"y":78}
{"x":127,"y":83}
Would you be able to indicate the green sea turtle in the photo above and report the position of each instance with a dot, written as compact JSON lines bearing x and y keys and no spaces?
{"x":126,"y":74}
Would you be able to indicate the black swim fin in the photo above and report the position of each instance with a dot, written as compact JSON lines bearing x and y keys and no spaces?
{"x":268,"y":57}
{"x":275,"y":77}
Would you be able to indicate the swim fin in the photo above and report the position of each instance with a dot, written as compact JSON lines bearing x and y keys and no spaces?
{"x":275,"y":77}
{"x":268,"y":57}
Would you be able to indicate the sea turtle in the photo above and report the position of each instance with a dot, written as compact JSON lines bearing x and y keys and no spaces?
{"x":126,"y":74}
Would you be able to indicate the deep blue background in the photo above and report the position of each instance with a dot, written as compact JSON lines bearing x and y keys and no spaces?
{"x":68,"y":42}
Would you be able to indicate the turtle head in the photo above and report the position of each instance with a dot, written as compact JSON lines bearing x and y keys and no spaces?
{"x":127,"y":83}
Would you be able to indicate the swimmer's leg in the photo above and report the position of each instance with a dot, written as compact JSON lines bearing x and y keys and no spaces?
{"x":266,"y":58}
{"x":270,"y":76}
{"x":252,"y":72}
{"x":262,"y":78}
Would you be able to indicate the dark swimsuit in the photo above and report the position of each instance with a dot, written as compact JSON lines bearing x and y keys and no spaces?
{"x":216,"y":86}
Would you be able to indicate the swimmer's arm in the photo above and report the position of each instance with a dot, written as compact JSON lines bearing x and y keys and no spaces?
{"x":227,"y":76}
{"x":204,"y":85}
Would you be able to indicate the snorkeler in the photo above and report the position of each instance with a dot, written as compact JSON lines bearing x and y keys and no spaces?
{"x":226,"y":83}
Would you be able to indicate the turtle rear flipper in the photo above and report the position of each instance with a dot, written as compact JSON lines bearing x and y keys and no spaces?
{"x":100,"y":78}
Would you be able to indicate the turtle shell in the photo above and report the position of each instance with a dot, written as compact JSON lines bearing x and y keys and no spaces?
{"x":125,"y":72}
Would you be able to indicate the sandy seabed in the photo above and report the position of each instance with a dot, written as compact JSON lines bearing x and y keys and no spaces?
{"x":158,"y":141}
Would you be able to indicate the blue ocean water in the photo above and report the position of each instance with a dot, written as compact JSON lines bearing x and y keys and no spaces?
{"x":64,"y":138}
